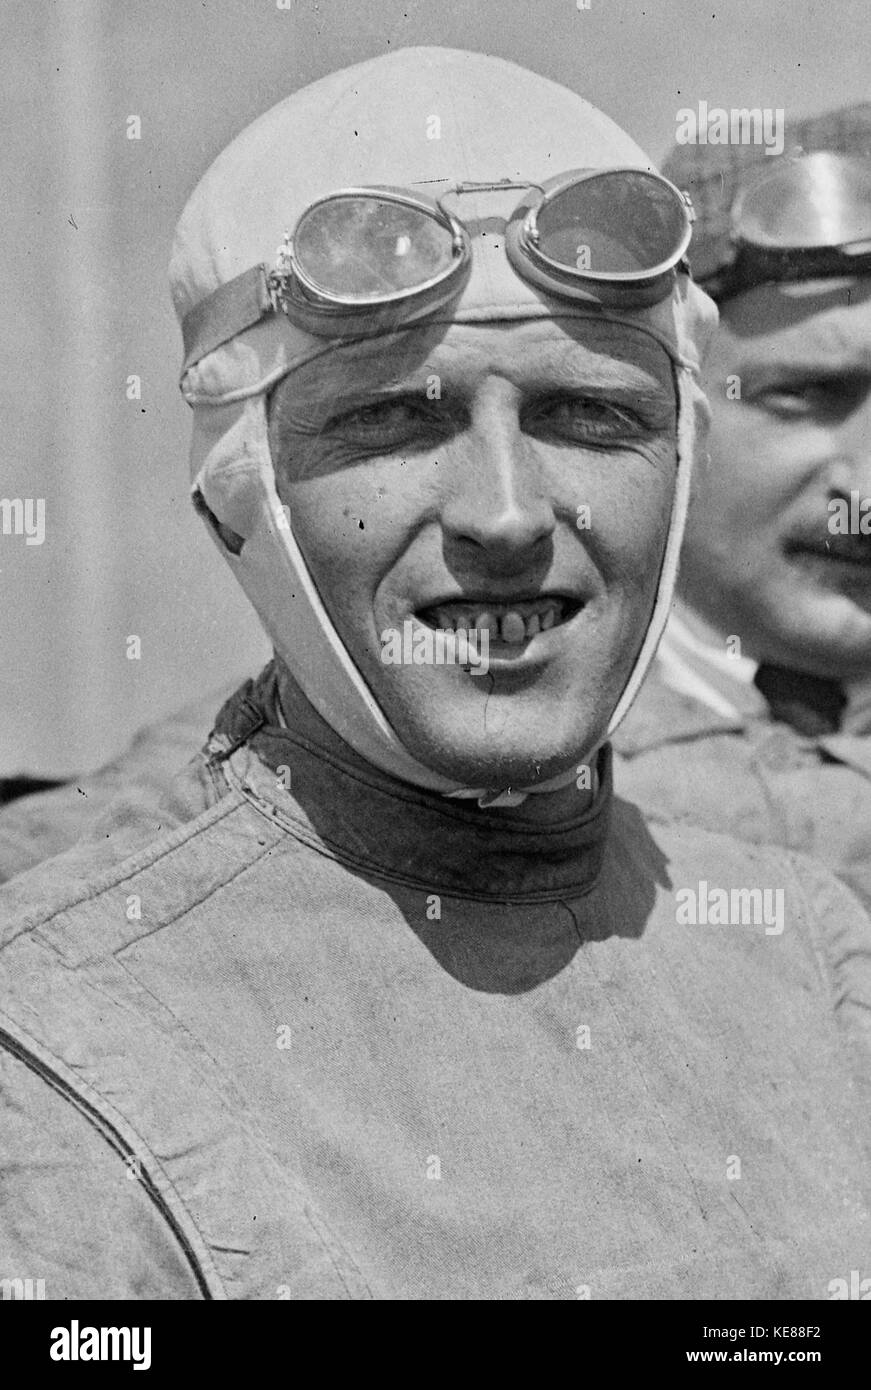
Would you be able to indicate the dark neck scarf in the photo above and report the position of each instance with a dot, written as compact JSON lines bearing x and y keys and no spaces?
{"x":813,"y":705}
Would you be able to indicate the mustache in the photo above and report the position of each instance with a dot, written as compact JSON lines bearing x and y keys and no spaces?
{"x":852,"y":548}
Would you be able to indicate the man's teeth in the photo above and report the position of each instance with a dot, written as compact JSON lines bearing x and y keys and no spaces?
{"x":507,"y":624}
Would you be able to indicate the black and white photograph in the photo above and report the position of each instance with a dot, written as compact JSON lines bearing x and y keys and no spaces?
{"x":435,"y":666}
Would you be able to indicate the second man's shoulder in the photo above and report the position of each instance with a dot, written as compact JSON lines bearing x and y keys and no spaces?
{"x":185,"y":847}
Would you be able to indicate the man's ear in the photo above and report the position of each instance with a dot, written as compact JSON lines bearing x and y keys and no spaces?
{"x":231,"y":540}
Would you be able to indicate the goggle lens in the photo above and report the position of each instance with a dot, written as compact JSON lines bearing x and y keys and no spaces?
{"x":362,"y":258}
{"x":360,"y":246}
{"x":621,"y":223}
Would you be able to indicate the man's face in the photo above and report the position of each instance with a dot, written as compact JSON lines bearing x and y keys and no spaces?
{"x":759,"y":559}
{"x":438,"y":475}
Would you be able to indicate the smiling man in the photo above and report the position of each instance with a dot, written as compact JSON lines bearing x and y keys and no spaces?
{"x":460,"y":512}
{"x":758,"y":713}
{"x":400,"y":1003}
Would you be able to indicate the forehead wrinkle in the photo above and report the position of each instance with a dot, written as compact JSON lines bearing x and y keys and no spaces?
{"x":349,"y":371}
{"x":373,"y":367}
{"x":572,"y":364}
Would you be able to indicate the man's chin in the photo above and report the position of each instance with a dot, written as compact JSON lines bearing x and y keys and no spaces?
{"x":469,"y":770}
{"x":482,"y":735}
{"x":839,"y":584}
{"x":516,"y":760}
{"x":829,"y":635}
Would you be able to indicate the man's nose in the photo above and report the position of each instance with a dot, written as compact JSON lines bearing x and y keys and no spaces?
{"x":851,"y":469}
{"x":498,"y":502}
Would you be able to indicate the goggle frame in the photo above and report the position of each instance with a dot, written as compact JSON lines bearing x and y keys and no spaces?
{"x":289,"y":288}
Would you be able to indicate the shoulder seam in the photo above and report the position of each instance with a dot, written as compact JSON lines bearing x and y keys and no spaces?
{"x":163,"y":1195}
{"x":134,"y":864}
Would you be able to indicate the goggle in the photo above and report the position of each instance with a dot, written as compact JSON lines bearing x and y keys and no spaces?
{"x":808,"y":218}
{"x":362,"y":260}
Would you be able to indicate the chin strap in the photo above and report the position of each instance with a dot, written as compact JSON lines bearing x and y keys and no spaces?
{"x":509,"y":797}
{"x":497,"y":796}
{"x":274,"y":574}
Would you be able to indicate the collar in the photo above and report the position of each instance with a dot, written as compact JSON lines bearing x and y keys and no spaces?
{"x":693,"y":659}
{"x":662,"y":715}
{"x":351,"y":811}
{"x":694,"y":690}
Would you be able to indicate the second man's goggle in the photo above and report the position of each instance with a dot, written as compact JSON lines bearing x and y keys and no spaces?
{"x":361,"y":260}
{"x":807,"y":218}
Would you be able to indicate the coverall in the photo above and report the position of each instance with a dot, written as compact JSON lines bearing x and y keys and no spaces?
{"x":749,"y":775}
{"x":326,"y":1035}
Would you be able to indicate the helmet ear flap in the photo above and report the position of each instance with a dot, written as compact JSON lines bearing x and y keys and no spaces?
{"x":226,"y":538}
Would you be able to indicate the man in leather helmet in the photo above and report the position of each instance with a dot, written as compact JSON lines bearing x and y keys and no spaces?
{"x":399,"y":1002}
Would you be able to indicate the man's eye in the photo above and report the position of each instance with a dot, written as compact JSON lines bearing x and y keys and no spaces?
{"x":806,"y":398}
{"x":588,"y":421}
{"x":383,"y":421}
{"x":793,"y":400}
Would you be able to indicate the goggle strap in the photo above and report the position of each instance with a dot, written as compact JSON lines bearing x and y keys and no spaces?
{"x":238,"y":304}
{"x":755,"y":266}
{"x":244,"y":301}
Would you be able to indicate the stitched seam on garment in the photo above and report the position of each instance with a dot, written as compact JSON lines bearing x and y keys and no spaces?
{"x":397,"y":792}
{"x":778,"y":831}
{"x":88,"y":1102}
{"x":846,"y":1033}
{"x":793,"y":867}
{"x":821,"y":948}
{"x":338,"y":854}
{"x":190,"y":904}
{"x":129,"y":868}
{"x":234,"y":1098}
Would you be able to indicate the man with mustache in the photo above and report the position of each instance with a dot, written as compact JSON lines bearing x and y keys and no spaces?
{"x":757,"y":714}
{"x":400,"y":1003}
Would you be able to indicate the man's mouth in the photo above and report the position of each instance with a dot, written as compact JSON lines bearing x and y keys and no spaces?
{"x":513,"y":623}
{"x":845,"y":550}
